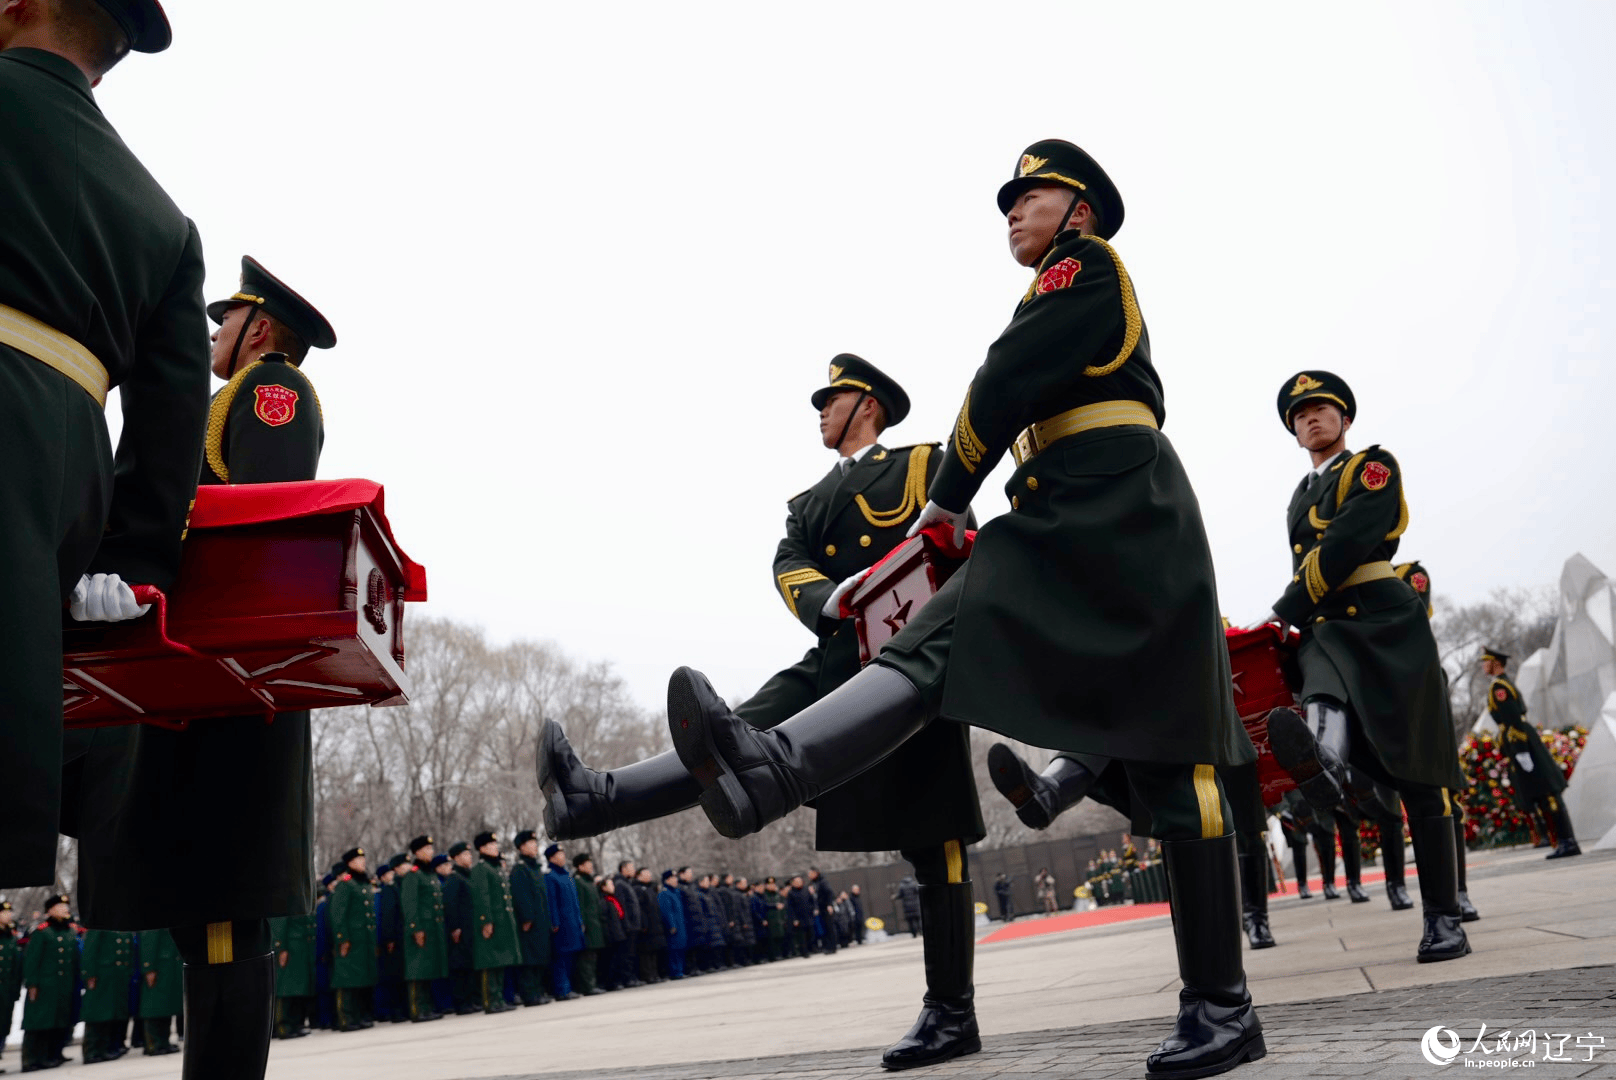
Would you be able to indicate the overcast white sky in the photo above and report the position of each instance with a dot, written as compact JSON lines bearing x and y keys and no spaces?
{"x":586,"y":264}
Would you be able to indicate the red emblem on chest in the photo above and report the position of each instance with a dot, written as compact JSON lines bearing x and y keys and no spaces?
{"x":276,"y":404}
{"x":1375,"y":476}
{"x":1059,"y":276}
{"x":1420,"y":582}
{"x":1501,"y":694}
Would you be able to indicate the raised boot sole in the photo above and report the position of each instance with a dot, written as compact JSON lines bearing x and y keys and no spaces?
{"x":1297,"y":752}
{"x":723,"y":798}
{"x":1017,"y":783}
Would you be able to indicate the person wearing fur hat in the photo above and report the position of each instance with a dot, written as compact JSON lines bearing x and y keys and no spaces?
{"x":353,"y":939}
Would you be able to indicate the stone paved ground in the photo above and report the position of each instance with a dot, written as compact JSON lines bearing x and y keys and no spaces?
{"x":1361,"y":1035}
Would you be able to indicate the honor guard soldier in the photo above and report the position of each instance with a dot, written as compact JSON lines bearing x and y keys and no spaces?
{"x":425,"y":958}
{"x":100,"y":287}
{"x":922,"y":800}
{"x":532,"y":912}
{"x":1373,"y":691}
{"x":162,"y":974}
{"x":457,"y":924}
{"x":353,"y":937}
{"x":493,"y":945}
{"x":108,"y":962}
{"x":10,"y":970}
{"x":50,"y":973}
{"x":1533,"y":772}
{"x":296,"y":986}
{"x":1098,"y":581}
{"x":225,"y":781}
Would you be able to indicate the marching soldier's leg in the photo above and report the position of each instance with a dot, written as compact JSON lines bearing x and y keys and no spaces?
{"x":947,"y":1024}
{"x":1430,"y":825}
{"x":1387,"y":810}
{"x":229,"y":999}
{"x":580,"y":802}
{"x":1217,"y":1027}
{"x":1467,"y":910}
{"x":1246,"y":812}
{"x":1566,"y":838}
{"x":1298,"y":839}
{"x":1313,"y":749}
{"x":1039,"y":798}
{"x":1351,"y":856}
{"x":1322,"y":831}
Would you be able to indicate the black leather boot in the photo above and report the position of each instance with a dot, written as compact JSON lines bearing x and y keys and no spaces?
{"x":1039,"y":798}
{"x":751,"y":777}
{"x":1254,"y":901}
{"x":580,"y":802}
{"x":1313,"y":750}
{"x":1391,"y":857}
{"x":947,"y":1024}
{"x":229,"y":1018}
{"x":1565,"y":838}
{"x":1444,"y":938}
{"x":1217,"y":1025}
{"x":1299,"y":857}
{"x":1467,"y":910}
{"x":1324,"y":844}
{"x":1351,"y":859}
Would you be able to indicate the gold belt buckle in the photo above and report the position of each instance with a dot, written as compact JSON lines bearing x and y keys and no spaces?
{"x":1027,"y":444}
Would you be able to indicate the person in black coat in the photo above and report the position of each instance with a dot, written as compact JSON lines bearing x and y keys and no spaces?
{"x":628,"y":898}
{"x":653,"y":940}
{"x":695,"y":923}
{"x":614,"y":930}
{"x":745,"y":931}
{"x":458,"y":922}
{"x":1001,"y":892}
{"x":734,"y":919}
{"x":799,"y":918}
{"x":824,"y":910}
{"x":531,"y":906}
{"x":390,"y":1003}
{"x":712,"y":923}
{"x":909,"y":901}
{"x":855,"y":896}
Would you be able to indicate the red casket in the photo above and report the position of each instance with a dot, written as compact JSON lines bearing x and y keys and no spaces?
{"x":1261,"y":662}
{"x":897,"y":587}
{"x":289,"y":596}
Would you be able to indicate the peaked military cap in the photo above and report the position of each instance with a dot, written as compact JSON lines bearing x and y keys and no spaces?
{"x":143,"y":22}
{"x":1491,"y":653}
{"x":1058,"y":162}
{"x":1310,"y":385}
{"x":456,"y":848}
{"x":59,"y":898}
{"x":849,"y":372}
{"x":351,"y":854}
{"x":551,"y":850}
{"x":439,"y":859}
{"x":259,"y":286}
{"x":483,"y":838}
{"x":418,"y":843}
{"x":523,"y":837}
{"x":398,"y":860}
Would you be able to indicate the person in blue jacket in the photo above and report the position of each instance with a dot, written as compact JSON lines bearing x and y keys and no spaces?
{"x":712,"y":911}
{"x":671,"y":903}
{"x":325,"y":999}
{"x":695,"y":922}
{"x":566,"y":921}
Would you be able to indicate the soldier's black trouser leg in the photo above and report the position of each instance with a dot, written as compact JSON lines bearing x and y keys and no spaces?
{"x":1431,"y":827}
{"x":229,"y":999}
{"x":1351,"y":856}
{"x":1565,"y":837}
{"x":1253,"y":854}
{"x":946,"y":1027}
{"x":1322,"y":831}
{"x":463,"y":987}
{"x":1467,"y":910}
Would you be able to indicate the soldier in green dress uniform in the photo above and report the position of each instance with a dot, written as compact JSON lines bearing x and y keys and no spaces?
{"x":223,"y":783}
{"x":100,"y":287}
{"x":421,"y":900}
{"x":493,"y":942}
{"x":532,"y":909}
{"x":162,"y":998}
{"x":353,"y":938}
{"x":292,"y":939}
{"x":1060,"y":627}
{"x":922,"y":800}
{"x":1533,"y":772}
{"x":585,"y":969}
{"x":1372,"y":686}
{"x":50,"y":973}
{"x":108,"y":962}
{"x":10,"y":970}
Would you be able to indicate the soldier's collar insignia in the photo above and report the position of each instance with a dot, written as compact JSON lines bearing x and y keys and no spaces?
{"x":1304,"y":383}
{"x":836,"y":372}
{"x":1030,"y":164}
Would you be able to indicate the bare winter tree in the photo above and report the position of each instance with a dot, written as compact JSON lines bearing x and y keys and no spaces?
{"x":1518,"y":621}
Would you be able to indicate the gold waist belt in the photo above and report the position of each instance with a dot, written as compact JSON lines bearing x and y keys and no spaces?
{"x":1369,"y":571}
{"x":1083,"y":418}
{"x":54,"y":349}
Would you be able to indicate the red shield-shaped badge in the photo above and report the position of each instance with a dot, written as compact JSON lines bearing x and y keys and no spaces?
{"x":1059,"y":276}
{"x":1420,"y":582}
{"x":1375,"y":476}
{"x":276,"y":404}
{"x":1501,"y":694}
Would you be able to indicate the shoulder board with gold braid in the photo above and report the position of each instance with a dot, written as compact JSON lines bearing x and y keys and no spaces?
{"x":914,"y":491}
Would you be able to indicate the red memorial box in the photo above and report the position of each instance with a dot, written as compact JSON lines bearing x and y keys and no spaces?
{"x":290,"y":596}
{"x":1262,"y":663}
{"x":897,"y":587}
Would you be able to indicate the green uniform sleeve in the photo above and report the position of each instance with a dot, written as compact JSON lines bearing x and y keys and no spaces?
{"x":1369,"y":510}
{"x":1032,"y":360}
{"x":165,"y":404}
{"x":274,"y":430}
{"x":803,"y":585}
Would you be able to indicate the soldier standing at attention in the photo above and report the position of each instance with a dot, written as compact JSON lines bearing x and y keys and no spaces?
{"x":494,"y":947}
{"x":921,"y":801}
{"x":1098,"y":580}
{"x":108,"y":960}
{"x":353,"y":940}
{"x":531,"y":907}
{"x":1533,"y":771}
{"x":100,"y":287}
{"x":50,"y":973}
{"x":1373,"y":691}
{"x":292,"y":938}
{"x":10,"y":970}
{"x":161,"y":994}
{"x":586,"y":968}
{"x":421,"y":904}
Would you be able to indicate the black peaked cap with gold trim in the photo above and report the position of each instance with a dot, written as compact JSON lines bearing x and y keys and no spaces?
{"x":143,"y":22}
{"x":1490,"y":653}
{"x":259,"y":286}
{"x":351,"y":854}
{"x":420,"y":842}
{"x":849,"y":372}
{"x":1311,"y":385}
{"x":1060,"y":163}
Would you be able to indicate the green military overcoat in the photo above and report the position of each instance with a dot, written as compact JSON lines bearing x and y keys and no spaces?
{"x":162,"y":975}
{"x":293,"y":938}
{"x":589,"y":908}
{"x":50,"y":966}
{"x":491,"y":907}
{"x":353,"y":923}
{"x":109,"y":959}
{"x":1533,"y":772}
{"x":1087,"y":618}
{"x":924,"y":794}
{"x":421,"y":898}
{"x":1366,"y":639}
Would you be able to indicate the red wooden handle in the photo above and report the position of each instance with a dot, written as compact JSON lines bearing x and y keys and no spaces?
{"x":151,"y":594}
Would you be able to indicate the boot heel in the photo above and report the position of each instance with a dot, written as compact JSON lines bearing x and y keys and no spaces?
{"x":728,"y":808}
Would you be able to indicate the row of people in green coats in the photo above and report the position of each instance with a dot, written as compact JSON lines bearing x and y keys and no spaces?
{"x":103,"y":978}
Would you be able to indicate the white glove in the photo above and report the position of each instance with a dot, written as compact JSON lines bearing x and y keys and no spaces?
{"x":932,"y":514}
{"x":104,"y":598}
{"x":1271,"y":617}
{"x":833,"y":606}
{"x":1525,"y":759}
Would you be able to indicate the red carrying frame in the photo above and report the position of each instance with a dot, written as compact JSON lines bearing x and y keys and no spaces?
{"x":898,"y":586}
{"x":1262,"y":663}
{"x":289,"y":597}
